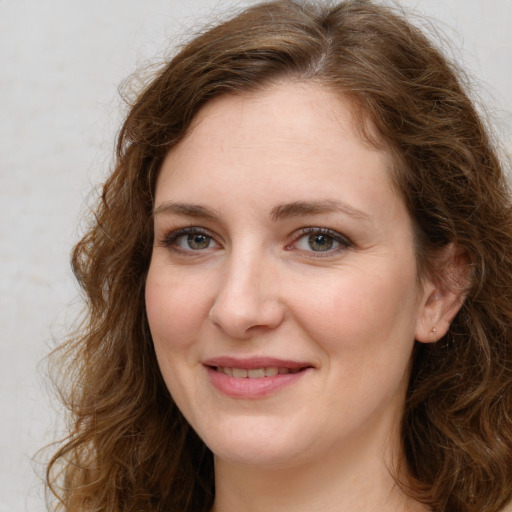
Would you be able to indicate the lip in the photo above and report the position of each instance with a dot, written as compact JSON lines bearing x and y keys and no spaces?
{"x":254,"y":388}
{"x":255,"y":362}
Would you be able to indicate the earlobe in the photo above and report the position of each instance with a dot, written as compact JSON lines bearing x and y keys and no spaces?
{"x":443,"y":294}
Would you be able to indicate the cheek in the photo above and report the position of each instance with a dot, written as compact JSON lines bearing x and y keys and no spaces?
{"x":175,"y":311}
{"x":365,"y":327}
{"x":361,"y":314}
{"x":175,"y":318}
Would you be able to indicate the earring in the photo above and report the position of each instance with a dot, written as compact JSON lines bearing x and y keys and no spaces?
{"x":434,"y":330}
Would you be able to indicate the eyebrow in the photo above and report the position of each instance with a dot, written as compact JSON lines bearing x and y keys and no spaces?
{"x":280,"y":212}
{"x":187,"y":210}
{"x":304,"y":208}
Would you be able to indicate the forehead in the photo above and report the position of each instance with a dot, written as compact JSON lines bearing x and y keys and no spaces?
{"x":299,"y":139}
{"x":290,"y":142}
{"x":296,"y":108}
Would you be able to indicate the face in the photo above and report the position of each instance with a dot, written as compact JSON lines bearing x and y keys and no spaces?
{"x":282,"y":294}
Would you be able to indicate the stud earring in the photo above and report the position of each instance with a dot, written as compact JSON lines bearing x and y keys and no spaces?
{"x":434,"y":330}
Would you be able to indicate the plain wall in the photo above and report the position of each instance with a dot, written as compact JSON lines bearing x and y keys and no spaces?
{"x":61,"y":63}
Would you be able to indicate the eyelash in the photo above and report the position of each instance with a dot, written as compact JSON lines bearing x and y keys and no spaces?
{"x":343,"y":241}
{"x":169,"y":241}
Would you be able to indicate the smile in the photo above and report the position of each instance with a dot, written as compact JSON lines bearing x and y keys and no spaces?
{"x":255,"y":373}
{"x":255,"y":377}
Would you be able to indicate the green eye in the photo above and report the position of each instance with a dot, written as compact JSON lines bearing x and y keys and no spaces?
{"x":189,"y":240}
{"x":198,"y":241}
{"x":319,"y":242}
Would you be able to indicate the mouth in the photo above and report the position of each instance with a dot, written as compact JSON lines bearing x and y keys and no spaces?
{"x":254,"y":377}
{"x":256,"y":373}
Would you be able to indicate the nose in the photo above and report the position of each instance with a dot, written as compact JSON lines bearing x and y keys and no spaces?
{"x":248,"y":299}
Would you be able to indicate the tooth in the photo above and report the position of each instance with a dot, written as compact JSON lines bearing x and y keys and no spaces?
{"x":239,"y":373}
{"x":256,"y":373}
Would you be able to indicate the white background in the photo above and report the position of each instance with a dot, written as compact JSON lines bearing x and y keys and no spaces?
{"x":61,"y":63}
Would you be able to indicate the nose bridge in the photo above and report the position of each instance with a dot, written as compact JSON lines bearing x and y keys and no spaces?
{"x":247,"y":297}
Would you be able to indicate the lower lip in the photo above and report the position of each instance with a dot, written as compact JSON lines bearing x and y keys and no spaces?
{"x":252,"y":388}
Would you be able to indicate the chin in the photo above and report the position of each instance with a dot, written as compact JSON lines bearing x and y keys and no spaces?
{"x":255,"y":444}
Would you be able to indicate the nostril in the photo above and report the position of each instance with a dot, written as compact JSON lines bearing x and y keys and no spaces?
{"x":245,"y":317}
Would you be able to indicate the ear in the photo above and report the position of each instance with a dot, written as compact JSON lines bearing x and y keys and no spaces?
{"x":443,"y":294}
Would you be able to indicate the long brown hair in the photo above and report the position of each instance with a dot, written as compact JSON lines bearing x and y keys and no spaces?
{"x":129,"y":448}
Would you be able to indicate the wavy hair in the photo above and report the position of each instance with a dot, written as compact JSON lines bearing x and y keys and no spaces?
{"x":129,"y":448}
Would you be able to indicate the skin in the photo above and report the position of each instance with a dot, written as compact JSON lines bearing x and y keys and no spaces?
{"x":257,"y":286}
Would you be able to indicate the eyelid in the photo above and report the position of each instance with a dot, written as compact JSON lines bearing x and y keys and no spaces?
{"x":343,"y":240}
{"x":170,"y":236}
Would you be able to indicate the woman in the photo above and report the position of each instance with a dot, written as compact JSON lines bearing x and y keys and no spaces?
{"x":298,"y":282}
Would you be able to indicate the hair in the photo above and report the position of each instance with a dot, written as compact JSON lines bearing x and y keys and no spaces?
{"x":129,"y":448}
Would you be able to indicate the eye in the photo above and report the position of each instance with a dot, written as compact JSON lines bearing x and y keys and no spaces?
{"x":321,"y":240}
{"x":189,"y":240}
{"x":194,"y":241}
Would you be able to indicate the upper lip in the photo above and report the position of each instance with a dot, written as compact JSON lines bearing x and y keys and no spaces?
{"x":255,"y":362}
